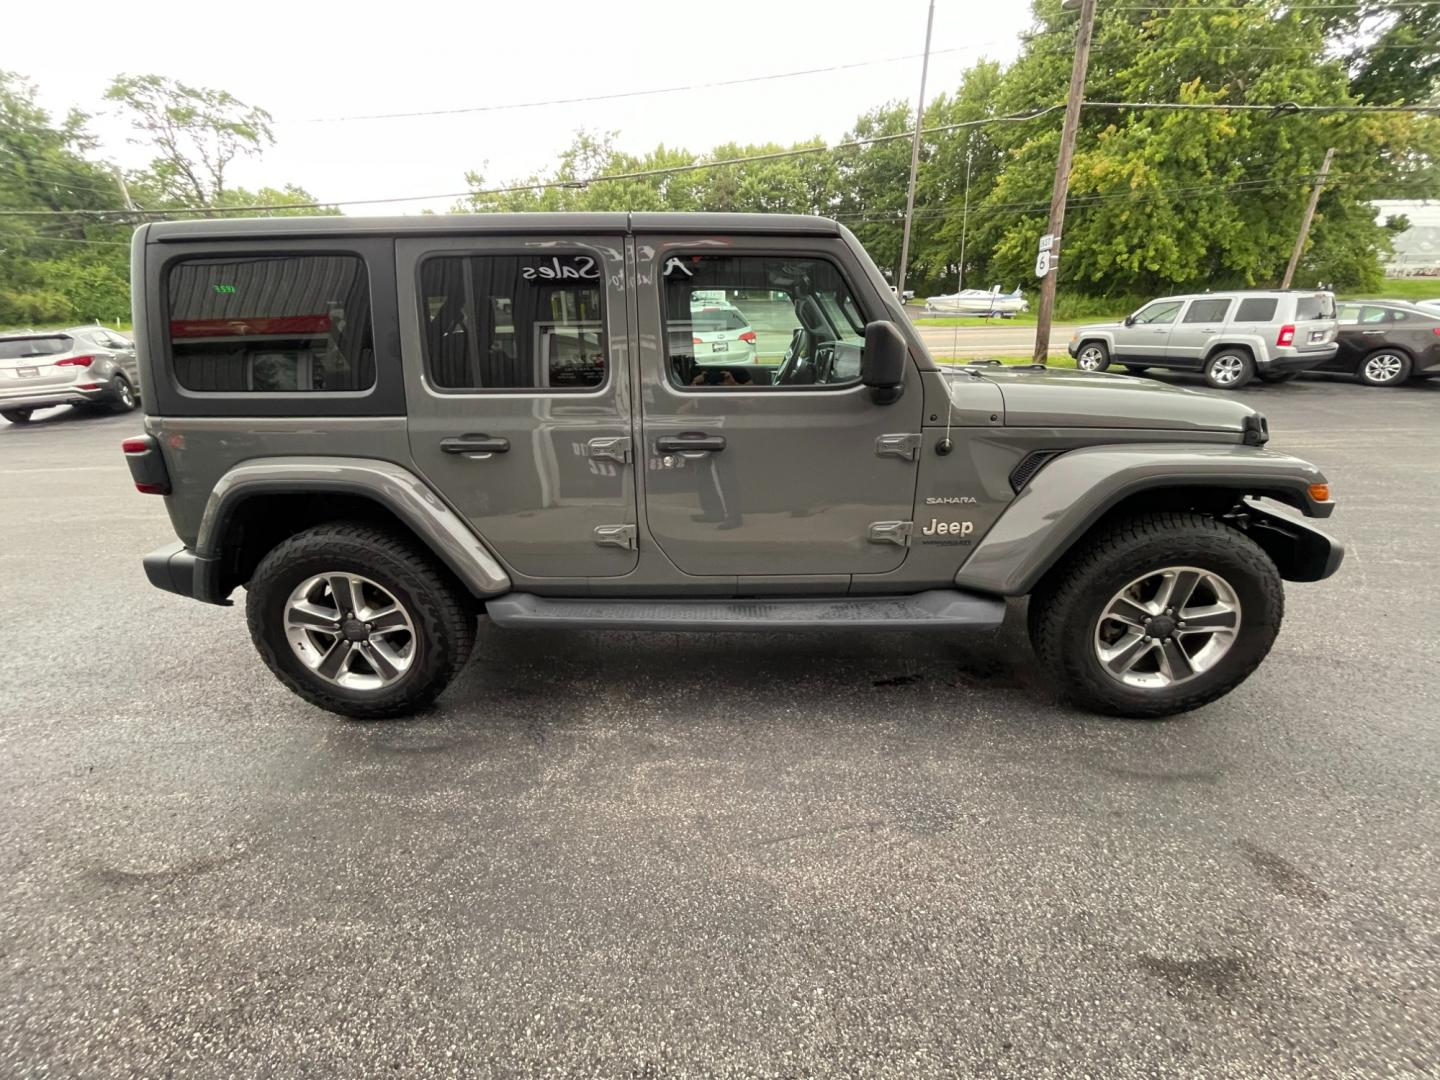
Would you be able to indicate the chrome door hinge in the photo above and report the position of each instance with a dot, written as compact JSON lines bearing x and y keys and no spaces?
{"x":621,"y":536}
{"x":616,"y":448}
{"x":890,"y":532}
{"x":901,"y":446}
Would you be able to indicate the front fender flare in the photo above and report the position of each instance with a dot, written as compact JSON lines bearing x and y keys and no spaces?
{"x":1073,"y":491}
{"x":396,"y":488}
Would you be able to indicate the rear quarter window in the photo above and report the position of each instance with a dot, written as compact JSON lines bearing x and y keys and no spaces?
{"x":271,"y":324}
{"x":1256,"y":309}
{"x":1314,"y":307}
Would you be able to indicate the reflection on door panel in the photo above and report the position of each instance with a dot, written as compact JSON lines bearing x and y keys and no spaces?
{"x":518,"y":347}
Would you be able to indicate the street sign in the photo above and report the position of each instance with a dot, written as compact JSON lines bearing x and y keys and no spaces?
{"x":1047,"y":241}
{"x":1042,"y":264}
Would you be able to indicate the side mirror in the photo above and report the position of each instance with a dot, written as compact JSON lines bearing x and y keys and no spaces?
{"x":1129,"y":320}
{"x":882,"y":367}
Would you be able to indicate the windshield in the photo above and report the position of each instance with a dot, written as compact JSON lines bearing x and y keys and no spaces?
{"x":21,"y":348}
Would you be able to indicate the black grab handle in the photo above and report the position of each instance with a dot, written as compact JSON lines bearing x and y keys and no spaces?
{"x":474,"y":444}
{"x":690,"y":441}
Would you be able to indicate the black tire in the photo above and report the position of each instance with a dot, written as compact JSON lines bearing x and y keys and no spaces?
{"x":17,"y":416}
{"x":441,"y":611}
{"x":1276,"y":377}
{"x":1066,"y":610}
{"x":123,"y":397}
{"x":1384,"y":367}
{"x":1092,"y":356}
{"x":1229,"y":369}
{"x":1137,"y":369}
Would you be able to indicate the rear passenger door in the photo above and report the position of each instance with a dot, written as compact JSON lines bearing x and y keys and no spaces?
{"x":517,"y":383}
{"x":1199,"y":325}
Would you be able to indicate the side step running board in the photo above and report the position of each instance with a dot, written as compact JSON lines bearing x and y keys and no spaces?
{"x":944,"y":608}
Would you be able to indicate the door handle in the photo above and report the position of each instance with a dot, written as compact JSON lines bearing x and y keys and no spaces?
{"x":1372,"y":333}
{"x":689,"y":442}
{"x":474,"y":444}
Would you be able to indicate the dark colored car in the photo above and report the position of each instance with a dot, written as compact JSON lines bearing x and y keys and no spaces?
{"x":1385,"y":342}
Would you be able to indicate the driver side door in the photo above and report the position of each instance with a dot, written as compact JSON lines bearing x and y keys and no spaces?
{"x":781,"y":464}
{"x":1147,"y":338}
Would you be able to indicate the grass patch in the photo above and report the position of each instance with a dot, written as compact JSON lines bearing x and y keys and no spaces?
{"x":1414,"y":288}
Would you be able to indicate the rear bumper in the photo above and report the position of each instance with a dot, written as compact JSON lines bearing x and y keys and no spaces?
{"x":175,"y":568}
{"x":1299,"y":361}
{"x":48,"y":398}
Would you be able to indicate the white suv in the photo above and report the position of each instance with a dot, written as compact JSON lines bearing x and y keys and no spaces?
{"x":1230,"y":337}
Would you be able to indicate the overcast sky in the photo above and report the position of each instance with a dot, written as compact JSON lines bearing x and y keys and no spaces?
{"x":304,"y":63}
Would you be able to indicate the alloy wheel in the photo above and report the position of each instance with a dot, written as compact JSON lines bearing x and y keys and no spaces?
{"x":349,"y":631}
{"x":1383,"y":367}
{"x":1090,"y":359}
{"x":1167,"y":627}
{"x":1226,"y":369}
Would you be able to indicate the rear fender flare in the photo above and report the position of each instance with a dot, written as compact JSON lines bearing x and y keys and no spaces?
{"x":392,"y":486}
{"x":1075,"y":490}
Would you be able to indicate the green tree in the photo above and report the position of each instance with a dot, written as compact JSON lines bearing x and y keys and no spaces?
{"x":196,"y":133}
{"x":44,"y":172}
{"x":1169,"y":199}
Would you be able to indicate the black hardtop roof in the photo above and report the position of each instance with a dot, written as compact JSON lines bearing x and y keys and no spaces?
{"x":468,"y":224}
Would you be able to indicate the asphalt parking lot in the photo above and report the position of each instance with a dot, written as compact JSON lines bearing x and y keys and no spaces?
{"x":731,"y":855}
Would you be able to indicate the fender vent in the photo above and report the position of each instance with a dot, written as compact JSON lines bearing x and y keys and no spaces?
{"x":1029,"y":465}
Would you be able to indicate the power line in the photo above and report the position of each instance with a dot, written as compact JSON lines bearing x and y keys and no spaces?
{"x":684,"y":88}
{"x":1280,"y":109}
{"x":547,"y":184}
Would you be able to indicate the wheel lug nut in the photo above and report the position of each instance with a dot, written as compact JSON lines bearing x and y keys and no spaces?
{"x":1148,"y":639}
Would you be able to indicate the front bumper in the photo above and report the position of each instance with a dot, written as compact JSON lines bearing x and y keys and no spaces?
{"x":175,"y":568}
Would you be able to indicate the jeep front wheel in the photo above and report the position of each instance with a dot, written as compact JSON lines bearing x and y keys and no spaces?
{"x":1159,"y":615}
{"x":357,"y":621}
{"x":1092,"y":356}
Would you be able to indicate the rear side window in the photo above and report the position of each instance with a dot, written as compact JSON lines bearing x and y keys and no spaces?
{"x":513,"y":322}
{"x":24,"y":348}
{"x":272,"y":324}
{"x":1256,"y":309}
{"x":1314,"y":307}
{"x":1206,"y":310}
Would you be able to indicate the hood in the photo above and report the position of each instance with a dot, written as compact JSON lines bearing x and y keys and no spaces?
{"x":1051,"y":398}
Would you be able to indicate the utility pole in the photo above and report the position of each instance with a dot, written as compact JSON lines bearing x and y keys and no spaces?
{"x":1309,"y":217}
{"x":1046,"y":311}
{"x":124,"y":190}
{"x":915,"y":157}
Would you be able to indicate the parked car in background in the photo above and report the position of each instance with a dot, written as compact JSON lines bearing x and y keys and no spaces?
{"x":86,"y":366}
{"x":1385,"y":342}
{"x":1229,"y":337}
{"x":1429,"y":305}
{"x":722,"y":335}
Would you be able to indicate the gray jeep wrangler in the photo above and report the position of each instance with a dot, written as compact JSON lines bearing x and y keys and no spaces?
{"x":384,"y":428}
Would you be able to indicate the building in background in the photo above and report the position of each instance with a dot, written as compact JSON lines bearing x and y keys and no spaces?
{"x":1417,"y":249}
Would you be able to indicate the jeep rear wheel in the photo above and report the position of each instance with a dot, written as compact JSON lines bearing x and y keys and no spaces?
{"x":357,"y":621}
{"x":1158,"y":615}
{"x":1092,"y":356}
{"x":1229,"y":369}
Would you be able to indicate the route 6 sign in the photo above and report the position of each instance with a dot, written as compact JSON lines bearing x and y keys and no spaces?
{"x":1042,"y":264}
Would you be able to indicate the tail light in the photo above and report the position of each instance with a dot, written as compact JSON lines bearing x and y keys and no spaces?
{"x":1287,"y":336}
{"x":749,"y":335}
{"x":147,"y":466}
{"x":696,"y":341}
{"x":75,"y":361}
{"x":1437,"y":329}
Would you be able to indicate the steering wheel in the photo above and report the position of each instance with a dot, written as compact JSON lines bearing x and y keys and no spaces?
{"x":800,"y":345}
